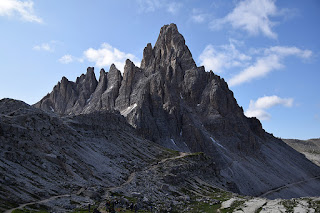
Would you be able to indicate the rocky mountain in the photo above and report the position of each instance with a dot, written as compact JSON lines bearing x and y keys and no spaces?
{"x":174,"y":103}
{"x":61,"y":163}
{"x":50,"y":163}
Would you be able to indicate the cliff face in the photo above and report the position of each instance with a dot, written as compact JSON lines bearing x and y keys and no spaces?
{"x":176,"y":104}
{"x":169,"y":99}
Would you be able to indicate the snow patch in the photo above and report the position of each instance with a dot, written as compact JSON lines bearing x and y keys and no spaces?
{"x":51,"y":109}
{"x":181,"y":132}
{"x":173,"y":142}
{"x":215,"y":142}
{"x":128,"y":110}
{"x":89,"y":99}
{"x":110,"y":88}
{"x":181,"y":96}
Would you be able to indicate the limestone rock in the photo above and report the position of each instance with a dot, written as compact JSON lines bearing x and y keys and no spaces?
{"x":70,"y":97}
{"x":171,"y":101}
{"x":106,"y":92}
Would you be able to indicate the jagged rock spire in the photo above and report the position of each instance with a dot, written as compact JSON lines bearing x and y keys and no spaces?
{"x":176,"y":104}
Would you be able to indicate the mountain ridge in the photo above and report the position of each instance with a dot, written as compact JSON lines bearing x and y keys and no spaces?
{"x":171,"y":101}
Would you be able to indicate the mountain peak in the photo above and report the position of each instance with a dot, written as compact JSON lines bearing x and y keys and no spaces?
{"x":169,"y":50}
{"x":176,"y":104}
{"x":169,"y":28}
{"x":170,"y":36}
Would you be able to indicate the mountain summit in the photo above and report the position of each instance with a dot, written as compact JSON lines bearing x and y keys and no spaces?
{"x":176,"y":104}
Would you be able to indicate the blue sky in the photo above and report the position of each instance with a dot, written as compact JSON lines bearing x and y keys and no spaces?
{"x":267,"y":50}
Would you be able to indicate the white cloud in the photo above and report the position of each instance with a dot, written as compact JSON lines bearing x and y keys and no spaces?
{"x":252,"y":16}
{"x":153,"y":5}
{"x":45,"y":47}
{"x":258,"y":108}
{"x":106,"y":55}
{"x":223,"y":57}
{"x":23,"y":9}
{"x":66,"y":59}
{"x":271,"y":60}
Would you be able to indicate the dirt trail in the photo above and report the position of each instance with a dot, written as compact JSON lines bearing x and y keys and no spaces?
{"x":37,"y":202}
{"x":288,"y":186}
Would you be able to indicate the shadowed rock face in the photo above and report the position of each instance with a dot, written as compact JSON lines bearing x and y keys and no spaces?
{"x":171,"y":101}
{"x":43,"y":155}
{"x":70,"y":97}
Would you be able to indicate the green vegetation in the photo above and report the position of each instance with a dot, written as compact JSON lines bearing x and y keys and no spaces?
{"x":204,"y":207}
{"x":85,"y":209}
{"x":32,"y":208}
{"x":169,"y":153}
{"x":315,"y":205}
{"x":81,"y":211}
{"x":25,"y":210}
{"x":194,"y":154}
{"x":289,"y":204}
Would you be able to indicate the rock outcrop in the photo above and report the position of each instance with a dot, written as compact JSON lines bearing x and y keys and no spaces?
{"x":70,"y":97}
{"x":176,"y":104}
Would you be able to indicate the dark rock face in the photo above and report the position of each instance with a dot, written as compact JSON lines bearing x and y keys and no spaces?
{"x":105,"y":94}
{"x":171,"y":101}
{"x":44,"y":155}
{"x":70,"y":97}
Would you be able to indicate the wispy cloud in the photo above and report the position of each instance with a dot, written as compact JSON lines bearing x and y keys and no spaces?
{"x":252,"y":16}
{"x":23,"y":9}
{"x":223,"y":57}
{"x":258,"y":108}
{"x":173,"y":7}
{"x":271,"y":60}
{"x":198,"y":16}
{"x":48,"y":46}
{"x":152,"y":5}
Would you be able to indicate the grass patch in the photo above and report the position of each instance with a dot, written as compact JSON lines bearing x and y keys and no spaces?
{"x":204,"y":207}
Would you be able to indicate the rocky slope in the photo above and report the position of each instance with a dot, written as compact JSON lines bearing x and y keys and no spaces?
{"x":50,"y":163}
{"x":310,"y":148}
{"x":67,"y":162}
{"x":171,"y":101}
